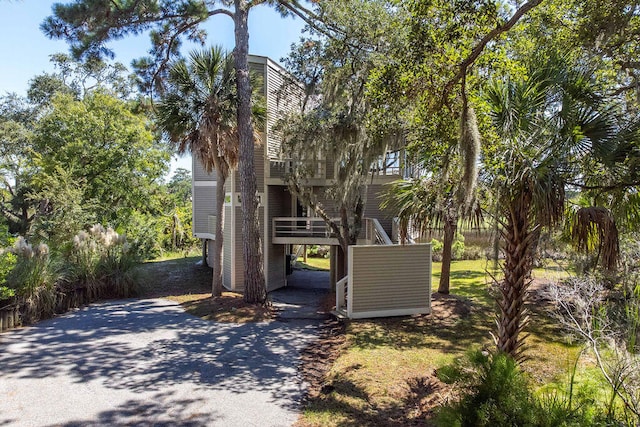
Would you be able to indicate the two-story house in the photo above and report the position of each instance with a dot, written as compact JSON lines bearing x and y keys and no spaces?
{"x":283,"y":221}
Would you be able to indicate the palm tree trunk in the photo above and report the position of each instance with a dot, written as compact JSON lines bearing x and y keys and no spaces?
{"x":218,"y":244}
{"x":254,"y":283}
{"x":521,"y":239}
{"x":450,"y":226}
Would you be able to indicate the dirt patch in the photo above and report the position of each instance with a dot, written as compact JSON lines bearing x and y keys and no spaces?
{"x":424,"y":396}
{"x":318,"y":357}
{"x":188,"y":282}
{"x":174,"y":277}
{"x":228,"y":308}
{"x":446,"y":310}
{"x":327,"y":303}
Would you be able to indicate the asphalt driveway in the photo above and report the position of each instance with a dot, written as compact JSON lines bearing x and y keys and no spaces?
{"x":146,"y":362}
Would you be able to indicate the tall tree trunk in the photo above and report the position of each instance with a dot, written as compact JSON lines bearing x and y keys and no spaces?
{"x":254,"y":284}
{"x":218,"y":244}
{"x":450,"y":226}
{"x":521,"y":239}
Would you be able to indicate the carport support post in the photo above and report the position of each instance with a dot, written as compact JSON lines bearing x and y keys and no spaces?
{"x":332,"y":267}
{"x":340,"y":263}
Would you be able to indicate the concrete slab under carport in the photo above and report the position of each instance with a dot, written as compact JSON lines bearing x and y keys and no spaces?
{"x":302,"y":296}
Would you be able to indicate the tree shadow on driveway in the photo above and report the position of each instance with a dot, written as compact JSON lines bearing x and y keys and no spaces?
{"x":147,"y":361}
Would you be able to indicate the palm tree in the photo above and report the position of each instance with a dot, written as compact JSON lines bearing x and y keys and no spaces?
{"x":427,"y":203}
{"x":548,"y":124}
{"x":446,"y":195}
{"x":199,"y":113}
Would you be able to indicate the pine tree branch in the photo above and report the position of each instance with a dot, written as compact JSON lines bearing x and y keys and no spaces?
{"x":185,"y":27}
{"x":310,"y":18}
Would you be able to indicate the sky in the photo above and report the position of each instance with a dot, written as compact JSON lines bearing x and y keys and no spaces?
{"x":25,"y":50}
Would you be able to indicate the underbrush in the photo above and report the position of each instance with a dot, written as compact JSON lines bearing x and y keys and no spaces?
{"x":388,"y":373}
{"x":95,"y":264}
{"x":492,"y":390}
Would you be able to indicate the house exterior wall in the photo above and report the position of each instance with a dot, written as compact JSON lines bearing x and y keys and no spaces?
{"x":372,"y":209}
{"x":228,"y":243}
{"x":389,"y":280}
{"x":279,"y":205}
{"x":327,"y":203}
{"x":330,"y":167}
{"x":281,"y":99}
{"x":203,"y":200}
{"x":238,"y":265}
{"x":274,"y":200}
{"x":199,"y":173}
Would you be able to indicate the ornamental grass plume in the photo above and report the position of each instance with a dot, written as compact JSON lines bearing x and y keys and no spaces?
{"x":22,"y":248}
{"x":101,"y":262}
{"x":34,"y":279}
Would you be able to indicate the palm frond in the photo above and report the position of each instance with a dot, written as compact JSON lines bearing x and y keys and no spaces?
{"x":594,"y":229}
{"x":198,"y":111}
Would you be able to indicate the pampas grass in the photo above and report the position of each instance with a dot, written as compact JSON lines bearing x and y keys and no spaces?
{"x":101,"y":261}
{"x":33,"y":278}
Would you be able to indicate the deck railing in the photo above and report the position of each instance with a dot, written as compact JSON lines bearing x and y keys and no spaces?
{"x":377,"y":234}
{"x":316,"y":169}
{"x":305,"y":230}
{"x":301,"y":227}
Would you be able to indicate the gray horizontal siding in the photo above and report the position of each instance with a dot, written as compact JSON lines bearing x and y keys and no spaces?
{"x":375,"y":194}
{"x":282,"y":98}
{"x":258,"y":162}
{"x":330,"y":165}
{"x":279,"y":205}
{"x":204,"y":204}
{"x":277,"y":169}
{"x":238,"y":263}
{"x":258,"y":168}
{"x":199,"y":174}
{"x":327,"y":202}
{"x":390,"y":278}
{"x":228,"y":248}
{"x":257,"y":70}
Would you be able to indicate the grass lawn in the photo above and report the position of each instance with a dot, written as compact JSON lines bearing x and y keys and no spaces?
{"x":313,"y":263}
{"x":385,"y":374}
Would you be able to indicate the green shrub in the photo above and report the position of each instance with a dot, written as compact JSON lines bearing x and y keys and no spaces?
{"x":556,"y":408}
{"x":436,"y":245}
{"x":495,"y":393}
{"x":33,"y":279}
{"x":436,"y":250}
{"x":144,"y":235}
{"x":473,"y":252}
{"x":316,"y":251}
{"x":7,"y":262}
{"x":457,"y":249}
